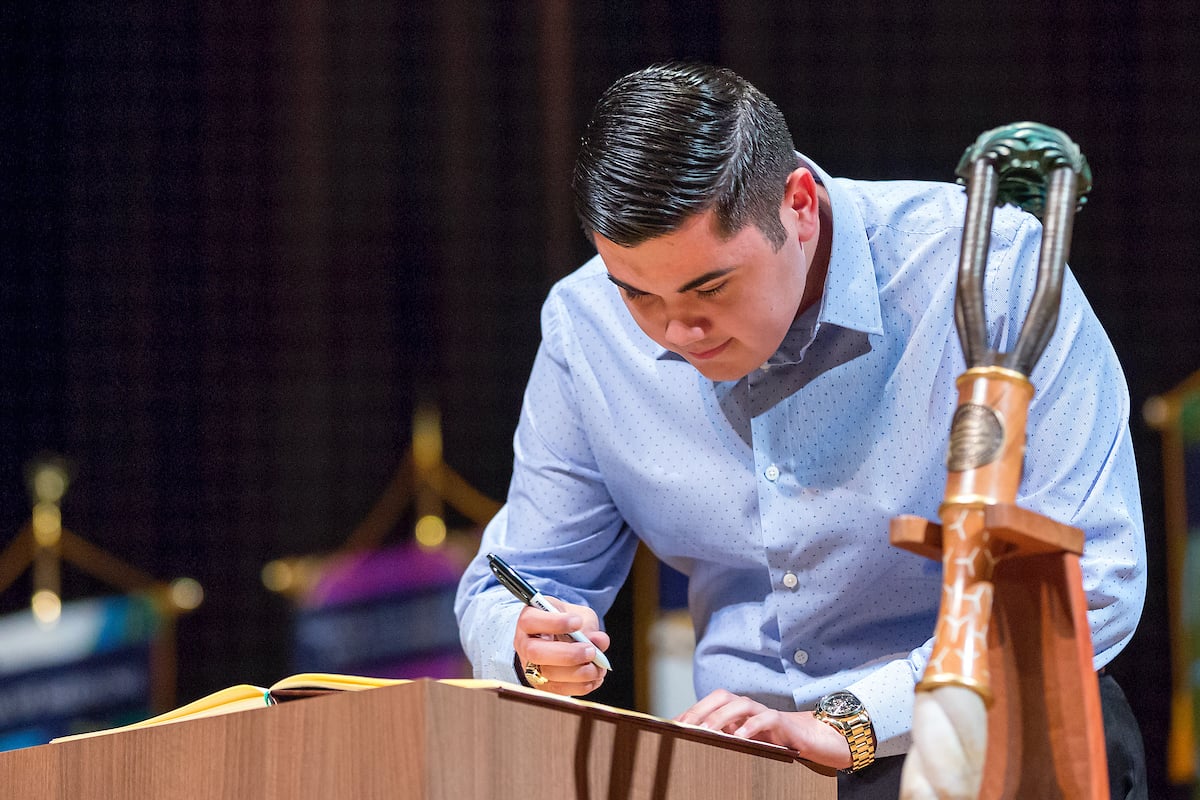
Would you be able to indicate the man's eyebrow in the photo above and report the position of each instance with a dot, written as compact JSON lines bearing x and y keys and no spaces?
{"x":624,"y":285}
{"x":703,"y":279}
{"x":687,"y":287}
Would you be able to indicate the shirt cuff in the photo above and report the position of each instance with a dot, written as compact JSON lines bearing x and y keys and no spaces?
{"x":495,"y":657}
{"x":887,"y":694}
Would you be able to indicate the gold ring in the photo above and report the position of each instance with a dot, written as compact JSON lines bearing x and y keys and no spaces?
{"x":533,"y":674}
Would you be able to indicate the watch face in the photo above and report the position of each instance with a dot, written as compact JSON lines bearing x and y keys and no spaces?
{"x":840,"y":704}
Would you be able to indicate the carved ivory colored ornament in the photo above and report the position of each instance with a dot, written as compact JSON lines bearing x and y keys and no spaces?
{"x":994,"y":617}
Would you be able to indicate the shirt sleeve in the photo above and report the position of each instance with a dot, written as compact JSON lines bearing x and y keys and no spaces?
{"x":1079,"y":469}
{"x":887,"y":694}
{"x":559,"y":526}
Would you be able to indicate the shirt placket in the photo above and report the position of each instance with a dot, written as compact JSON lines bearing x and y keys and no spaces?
{"x":781,"y":500}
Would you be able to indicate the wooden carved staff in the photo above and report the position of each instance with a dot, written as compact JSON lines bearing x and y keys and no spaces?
{"x":1008,"y":705}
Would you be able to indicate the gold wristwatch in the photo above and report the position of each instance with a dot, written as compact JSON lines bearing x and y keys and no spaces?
{"x":844,"y":711}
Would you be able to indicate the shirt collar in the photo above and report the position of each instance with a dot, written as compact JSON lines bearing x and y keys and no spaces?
{"x":851,"y":296}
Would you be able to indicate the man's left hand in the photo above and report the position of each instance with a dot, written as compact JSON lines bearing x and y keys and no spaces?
{"x":749,"y":719}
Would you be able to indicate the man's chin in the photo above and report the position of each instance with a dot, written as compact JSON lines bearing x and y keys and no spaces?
{"x":720,"y":372}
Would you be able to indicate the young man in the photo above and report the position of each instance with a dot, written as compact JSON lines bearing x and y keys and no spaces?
{"x":753,"y":377}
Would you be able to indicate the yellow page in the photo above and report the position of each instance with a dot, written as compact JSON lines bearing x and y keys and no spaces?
{"x":329,"y":680}
{"x":245,"y":696}
{"x":234,"y":698}
{"x":350,"y":683}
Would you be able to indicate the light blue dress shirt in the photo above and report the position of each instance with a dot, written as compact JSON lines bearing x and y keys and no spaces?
{"x":773,"y":493}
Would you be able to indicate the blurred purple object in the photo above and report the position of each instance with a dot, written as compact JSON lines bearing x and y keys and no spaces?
{"x":370,"y":573}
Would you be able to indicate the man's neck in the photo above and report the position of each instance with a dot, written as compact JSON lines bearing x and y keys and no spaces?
{"x":818,"y":268}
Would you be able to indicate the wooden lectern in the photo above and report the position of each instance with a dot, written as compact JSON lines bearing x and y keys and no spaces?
{"x":424,"y":739}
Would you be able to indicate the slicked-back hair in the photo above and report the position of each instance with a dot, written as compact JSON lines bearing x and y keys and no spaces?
{"x":675,"y":140}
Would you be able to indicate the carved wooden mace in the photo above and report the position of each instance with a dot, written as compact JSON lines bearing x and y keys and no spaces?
{"x":1012,"y":626}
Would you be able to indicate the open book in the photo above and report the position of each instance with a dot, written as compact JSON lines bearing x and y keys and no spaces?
{"x":244,"y":697}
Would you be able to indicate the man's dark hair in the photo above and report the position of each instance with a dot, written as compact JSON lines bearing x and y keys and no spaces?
{"x":675,"y":140}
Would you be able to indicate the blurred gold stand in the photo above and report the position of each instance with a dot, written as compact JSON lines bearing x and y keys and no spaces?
{"x":423,"y":482}
{"x":1173,"y":414}
{"x":44,"y":544}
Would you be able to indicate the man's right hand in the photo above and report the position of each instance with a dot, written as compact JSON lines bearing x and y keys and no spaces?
{"x":565,"y":663}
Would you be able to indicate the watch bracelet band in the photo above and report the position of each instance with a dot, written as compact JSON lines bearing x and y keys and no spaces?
{"x":861,"y":737}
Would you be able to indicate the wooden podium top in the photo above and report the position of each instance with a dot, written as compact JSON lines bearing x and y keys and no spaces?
{"x":424,"y":739}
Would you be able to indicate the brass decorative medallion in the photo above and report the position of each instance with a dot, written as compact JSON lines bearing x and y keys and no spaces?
{"x":976,"y":437}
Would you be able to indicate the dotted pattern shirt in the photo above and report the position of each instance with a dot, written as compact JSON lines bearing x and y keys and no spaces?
{"x":773,"y":493}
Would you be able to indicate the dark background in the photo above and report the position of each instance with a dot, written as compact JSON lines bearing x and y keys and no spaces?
{"x":239,"y":241}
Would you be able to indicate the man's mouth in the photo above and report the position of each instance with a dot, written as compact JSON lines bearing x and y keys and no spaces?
{"x":704,"y":355}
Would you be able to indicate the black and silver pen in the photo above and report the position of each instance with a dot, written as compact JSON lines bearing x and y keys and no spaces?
{"x":532,"y":597}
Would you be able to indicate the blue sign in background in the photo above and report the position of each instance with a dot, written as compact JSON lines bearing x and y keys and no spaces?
{"x":90,"y":670}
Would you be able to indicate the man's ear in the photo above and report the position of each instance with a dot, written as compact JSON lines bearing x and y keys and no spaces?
{"x":800,"y":198}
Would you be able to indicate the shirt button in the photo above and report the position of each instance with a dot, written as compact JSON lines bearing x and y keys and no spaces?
{"x":772,"y":473}
{"x":790,"y":580}
{"x":801,"y":657}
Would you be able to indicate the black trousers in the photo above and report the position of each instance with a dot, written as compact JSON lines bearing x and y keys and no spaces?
{"x":1126,"y":757}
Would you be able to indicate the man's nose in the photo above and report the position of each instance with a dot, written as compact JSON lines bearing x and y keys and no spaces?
{"x":682,"y":333}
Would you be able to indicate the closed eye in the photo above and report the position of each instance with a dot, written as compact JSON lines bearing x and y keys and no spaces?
{"x":713,"y":291}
